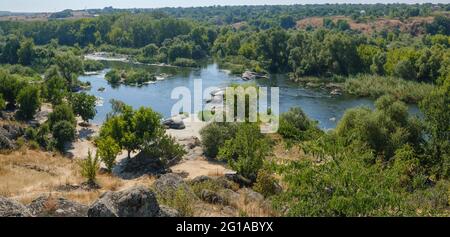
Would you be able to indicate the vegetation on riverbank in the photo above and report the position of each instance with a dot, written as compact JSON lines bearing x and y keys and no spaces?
{"x":377,"y":162}
{"x":377,"y":86}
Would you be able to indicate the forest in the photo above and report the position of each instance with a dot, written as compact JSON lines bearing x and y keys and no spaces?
{"x":376,"y":162}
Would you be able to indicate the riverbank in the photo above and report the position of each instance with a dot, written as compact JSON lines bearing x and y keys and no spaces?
{"x":369,"y":86}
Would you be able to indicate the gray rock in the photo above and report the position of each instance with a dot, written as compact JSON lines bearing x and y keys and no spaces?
{"x":141,"y":164}
{"x":168,"y":183}
{"x":239,"y":179}
{"x":213,"y":197}
{"x":8,"y":134}
{"x":165,"y":211}
{"x":230,"y":195}
{"x":47,"y":206}
{"x":174,"y":123}
{"x":11,"y":208}
{"x":252,"y":196}
{"x":134,"y":202}
{"x":201,"y":179}
{"x":5,"y":142}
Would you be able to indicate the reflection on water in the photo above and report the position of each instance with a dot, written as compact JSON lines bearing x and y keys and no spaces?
{"x":318,"y":105}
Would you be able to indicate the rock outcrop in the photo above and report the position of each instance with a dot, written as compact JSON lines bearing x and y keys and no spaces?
{"x":213,"y":197}
{"x":165,"y":211}
{"x":11,"y":208}
{"x":133,"y":202}
{"x":8,"y":134}
{"x":47,"y":206}
{"x":175,"y":122}
{"x":141,"y":164}
{"x":168,"y":183}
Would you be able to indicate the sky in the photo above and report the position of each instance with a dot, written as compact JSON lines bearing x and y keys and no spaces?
{"x":58,"y":5}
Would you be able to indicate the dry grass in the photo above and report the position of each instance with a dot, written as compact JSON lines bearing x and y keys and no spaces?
{"x":411,"y":24}
{"x":27,"y":174}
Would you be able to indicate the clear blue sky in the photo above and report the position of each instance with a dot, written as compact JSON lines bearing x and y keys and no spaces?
{"x":57,"y":5}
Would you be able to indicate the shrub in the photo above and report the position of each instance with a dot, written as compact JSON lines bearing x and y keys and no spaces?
{"x":184,"y":62}
{"x":89,"y":167}
{"x":214,"y":136}
{"x":246,"y":151}
{"x":113,"y":76}
{"x":62,"y":112}
{"x":2,"y":103}
{"x":178,"y":199}
{"x":63,"y":131}
{"x":108,"y":150}
{"x":265,"y":183}
{"x":29,"y":102}
{"x":296,"y":125}
{"x":377,"y":86}
{"x":167,"y":150}
{"x":92,"y":65}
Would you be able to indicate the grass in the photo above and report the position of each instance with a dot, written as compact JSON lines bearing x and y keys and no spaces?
{"x":26,"y":174}
{"x":376,"y":86}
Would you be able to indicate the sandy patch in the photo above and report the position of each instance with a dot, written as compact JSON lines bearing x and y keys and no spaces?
{"x":199,"y":167}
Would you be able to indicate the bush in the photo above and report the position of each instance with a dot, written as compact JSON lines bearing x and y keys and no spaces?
{"x":384,"y":129}
{"x":2,"y":103}
{"x":61,"y":112}
{"x":63,"y":131}
{"x":89,"y":167}
{"x":29,"y":102}
{"x":214,"y":136}
{"x":92,"y":65}
{"x":166,"y":149}
{"x":108,"y":150}
{"x":139,"y":77}
{"x":184,"y":62}
{"x":246,"y":151}
{"x":377,"y":86}
{"x":178,"y":199}
{"x":113,"y":76}
{"x":265,"y":183}
{"x":296,"y":125}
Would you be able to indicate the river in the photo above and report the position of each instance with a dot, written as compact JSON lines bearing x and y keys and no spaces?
{"x":317,"y":104}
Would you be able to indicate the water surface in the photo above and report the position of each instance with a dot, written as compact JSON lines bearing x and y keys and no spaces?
{"x":317,"y":104}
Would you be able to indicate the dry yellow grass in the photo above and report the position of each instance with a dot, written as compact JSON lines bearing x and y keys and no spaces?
{"x":27,"y":174}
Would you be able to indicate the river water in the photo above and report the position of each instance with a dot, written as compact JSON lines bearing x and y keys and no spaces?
{"x":317,"y":104}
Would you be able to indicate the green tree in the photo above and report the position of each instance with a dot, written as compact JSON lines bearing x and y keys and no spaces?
{"x":246,"y":151}
{"x":214,"y":136}
{"x":10,"y":85}
{"x":29,"y":102}
{"x":9,"y":51}
{"x":83,"y":105}
{"x":62,"y":112}
{"x":113,"y":76}
{"x":2,"y":103}
{"x":63,"y":131}
{"x":26,"y":52}
{"x":55,"y":86}
{"x":70,"y":66}
{"x":108,"y":150}
{"x":287,"y":22}
{"x":296,"y":125}
{"x":150,"y":50}
{"x":436,"y":110}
